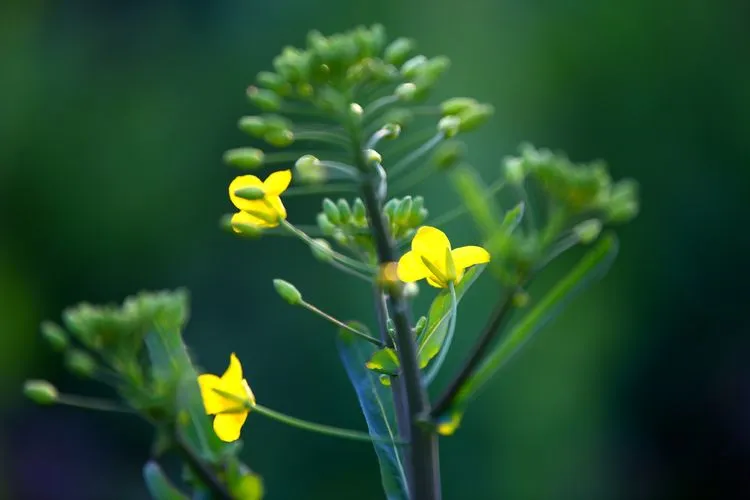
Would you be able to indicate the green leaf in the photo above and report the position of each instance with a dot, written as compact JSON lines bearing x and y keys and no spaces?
{"x":384,"y":361}
{"x":376,"y":402}
{"x":591,"y":267}
{"x":158,"y":485}
{"x":433,"y":336}
{"x":473,"y":192}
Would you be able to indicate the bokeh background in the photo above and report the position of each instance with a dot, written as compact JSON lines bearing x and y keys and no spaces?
{"x":113,"y":119}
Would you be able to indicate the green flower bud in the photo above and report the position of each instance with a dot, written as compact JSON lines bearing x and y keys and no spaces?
{"x":434,"y":68}
{"x":248,"y":158}
{"x":402,"y":213}
{"x":321,"y":250}
{"x":359,"y":212}
{"x":40,"y":392}
{"x":389,"y":209}
{"x":416,"y":217}
{"x":449,"y":125}
{"x":521,"y":299}
{"x":456,"y":105}
{"x":622,"y":205}
{"x":420,"y":325}
{"x":265,"y":99}
{"x":372,"y":156}
{"x":392,"y":130}
{"x":305,"y":90}
{"x":279,"y":138}
{"x":473,"y":117}
{"x":255,"y":126}
{"x":331,"y":211}
{"x":356,"y":110}
{"x":344,"y":210}
{"x":588,"y":230}
{"x":340,"y":237}
{"x":448,"y":154}
{"x":310,"y":170}
{"x":276,"y":123}
{"x":272,"y":81}
{"x":405,"y":91}
{"x":385,"y":379}
{"x":287,"y":291}
{"x":54,"y":335}
{"x":80,"y":363}
{"x":514,"y":170}
{"x":411,"y":68}
{"x":398,"y":51}
{"x":325,"y":225}
{"x":251,"y":193}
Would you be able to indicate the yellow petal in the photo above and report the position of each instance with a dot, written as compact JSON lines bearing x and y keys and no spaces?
{"x":240,"y":182}
{"x":229,"y":425}
{"x":432,"y":244}
{"x":277,"y":182}
{"x":277,"y":206}
{"x":234,"y":371}
{"x":212,"y":402}
{"x":244,"y":218}
{"x":468,"y":256}
{"x":411,"y":268}
{"x":433,"y":281}
{"x":263,"y":212}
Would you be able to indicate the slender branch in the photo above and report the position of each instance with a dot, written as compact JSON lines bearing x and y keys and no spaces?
{"x":341,"y":324}
{"x":501,"y":311}
{"x":201,"y":469}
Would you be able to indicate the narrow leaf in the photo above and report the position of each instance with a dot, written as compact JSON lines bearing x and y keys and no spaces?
{"x":473,"y":192}
{"x":433,"y":336}
{"x":590,"y":268}
{"x":158,"y":485}
{"x":384,"y":361}
{"x":376,"y":402}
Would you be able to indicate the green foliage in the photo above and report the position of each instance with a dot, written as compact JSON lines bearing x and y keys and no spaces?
{"x":159,"y":485}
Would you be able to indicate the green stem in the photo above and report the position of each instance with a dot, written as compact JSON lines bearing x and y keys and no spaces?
{"x":450,"y":215}
{"x":378,"y":105}
{"x":320,"y":428}
{"x":321,"y":136}
{"x":416,"y":154}
{"x":341,"y":324}
{"x":442,"y":354}
{"x":201,"y":469}
{"x":319,"y":189}
{"x":91,"y":404}
{"x":343,"y":259}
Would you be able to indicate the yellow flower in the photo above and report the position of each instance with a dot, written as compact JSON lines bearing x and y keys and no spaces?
{"x":431,"y":257}
{"x":267,"y":211}
{"x":230,"y":412}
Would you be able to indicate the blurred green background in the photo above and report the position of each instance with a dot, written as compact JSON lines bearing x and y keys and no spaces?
{"x":113,"y":119}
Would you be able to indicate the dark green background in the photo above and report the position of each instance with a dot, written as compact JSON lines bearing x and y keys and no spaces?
{"x":113,"y":119}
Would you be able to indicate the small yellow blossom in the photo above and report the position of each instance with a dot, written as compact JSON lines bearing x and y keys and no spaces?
{"x":431,"y":257}
{"x":267,"y":211}
{"x":230,"y":412}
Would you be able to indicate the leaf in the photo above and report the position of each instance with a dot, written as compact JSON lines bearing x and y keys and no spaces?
{"x":433,"y":336}
{"x":384,"y":361}
{"x":473,"y":191}
{"x":159,"y":485}
{"x":590,"y":268}
{"x":376,"y":403}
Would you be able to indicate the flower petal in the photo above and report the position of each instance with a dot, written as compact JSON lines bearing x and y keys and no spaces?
{"x":233,"y":374}
{"x":410,"y":268}
{"x":432,"y":244}
{"x":212,"y":402}
{"x":277,"y":206}
{"x":244,"y":218}
{"x":229,"y":425}
{"x":277,"y":182}
{"x":432,"y":280}
{"x":240,"y":182}
{"x":468,"y":256}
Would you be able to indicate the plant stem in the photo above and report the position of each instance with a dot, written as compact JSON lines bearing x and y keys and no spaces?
{"x":201,"y":469}
{"x":501,"y":311}
{"x":424,"y":471}
{"x":341,"y":324}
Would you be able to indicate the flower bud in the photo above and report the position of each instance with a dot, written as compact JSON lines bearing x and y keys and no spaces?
{"x":40,"y":391}
{"x":410,"y":290}
{"x":449,"y":125}
{"x":405,"y":91}
{"x":448,"y":154}
{"x":255,"y":126}
{"x":514,"y":170}
{"x":249,"y":158}
{"x":287,"y":291}
{"x":588,"y":230}
{"x":250,"y":193}
{"x":372,"y":156}
{"x":356,"y":110}
{"x":273,"y":81}
{"x":321,"y":250}
{"x":473,"y":117}
{"x":359,"y":212}
{"x":418,"y":212}
{"x":344,"y":210}
{"x":80,"y":363}
{"x":389,"y":209}
{"x":279,"y":138}
{"x":385,"y":379}
{"x":456,"y":105}
{"x":331,"y":211}
{"x":411,"y":68}
{"x":391,"y":130}
{"x":340,"y":237}
{"x":521,"y":299}
{"x":434,"y":68}
{"x":402,"y":213}
{"x":265,"y":99}
{"x":309,"y":170}
{"x":54,"y":335}
{"x":398,"y":51}
{"x":305,"y":90}
{"x":623,"y":201}
{"x":325,"y":225}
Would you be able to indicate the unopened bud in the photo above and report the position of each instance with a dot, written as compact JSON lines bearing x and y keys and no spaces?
{"x":403,"y":210}
{"x":325,"y":225}
{"x":331,"y":211}
{"x":340,"y":237}
{"x":389,"y":209}
{"x":265,"y":99}
{"x":372,"y":156}
{"x":435,"y":67}
{"x":475,"y":116}
{"x":80,"y":363}
{"x":279,"y":138}
{"x":356,"y":110}
{"x":515,"y":173}
{"x":250,"y":193}
{"x":40,"y":391}
{"x":344,"y":210}
{"x":449,"y":125}
{"x":321,"y":250}
{"x":249,"y":158}
{"x":255,"y":126}
{"x":411,"y":68}
{"x":54,"y":335}
{"x":273,"y":81}
{"x":309,"y":169}
{"x":392,"y":130}
{"x":521,"y":299}
{"x":405,"y":91}
{"x":456,"y":105}
{"x":287,"y":291}
{"x":588,"y":230}
{"x":398,"y":50}
{"x":359,"y":212}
